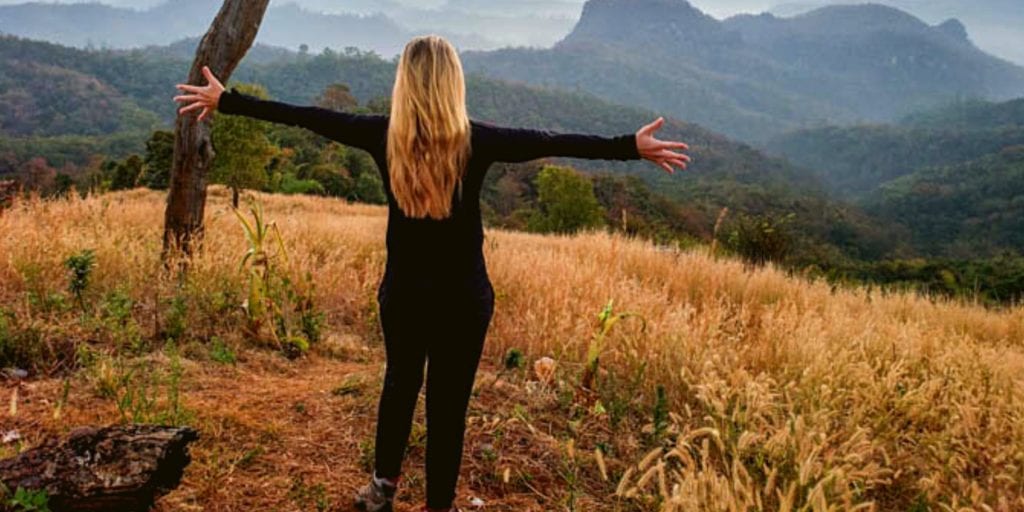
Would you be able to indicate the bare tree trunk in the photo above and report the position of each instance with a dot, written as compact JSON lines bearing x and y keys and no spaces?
{"x":115,"y":469}
{"x":227,"y":41}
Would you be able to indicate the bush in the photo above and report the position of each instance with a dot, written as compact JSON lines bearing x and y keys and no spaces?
{"x":566,"y":202}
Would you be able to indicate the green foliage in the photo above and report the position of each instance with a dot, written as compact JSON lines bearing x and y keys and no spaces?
{"x":24,"y":500}
{"x":126,"y":175}
{"x":514,"y":359}
{"x":276,"y":306}
{"x":159,"y":159}
{"x":759,"y":240}
{"x":974,"y":209}
{"x":292,"y":185}
{"x":242,"y":147}
{"x":144,"y":394}
{"x":660,"y":419}
{"x":995,"y":281}
{"x":566,"y":202}
{"x":855,"y":161}
{"x":80,"y":266}
{"x":607,"y":319}
{"x":175,"y":324}
{"x":221,"y":353}
{"x":119,"y":323}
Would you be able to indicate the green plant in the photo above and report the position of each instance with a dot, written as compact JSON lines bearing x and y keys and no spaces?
{"x":176,"y":320}
{"x":761,"y":239}
{"x":117,"y":319}
{"x":607,"y":319}
{"x":221,"y":353}
{"x":514,"y":359}
{"x":306,"y":496}
{"x":25,"y":500}
{"x":144,"y":395}
{"x":660,"y":413}
{"x":275,"y":304}
{"x":565,"y":201}
{"x":80,"y":266}
{"x":367,"y":452}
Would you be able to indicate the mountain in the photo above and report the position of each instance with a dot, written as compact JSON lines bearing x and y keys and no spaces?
{"x":287,"y":25}
{"x":756,"y":76}
{"x":995,"y":25}
{"x":725,"y":173}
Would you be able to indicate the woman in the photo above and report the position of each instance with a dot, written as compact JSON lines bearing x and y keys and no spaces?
{"x":435,"y":297}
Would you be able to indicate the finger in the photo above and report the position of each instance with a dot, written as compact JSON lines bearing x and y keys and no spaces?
{"x":668,"y":168}
{"x":190,"y":88}
{"x":678,"y":163}
{"x":189,"y":98}
{"x":666,"y":154}
{"x":653,"y":127}
{"x":673,"y":145}
{"x":190,"y":108}
{"x":210,"y":77}
{"x":205,"y":114}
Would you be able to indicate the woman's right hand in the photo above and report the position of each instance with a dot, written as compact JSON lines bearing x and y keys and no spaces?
{"x":206,"y":98}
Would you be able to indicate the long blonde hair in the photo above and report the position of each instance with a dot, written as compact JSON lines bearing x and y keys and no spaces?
{"x":429,"y":133}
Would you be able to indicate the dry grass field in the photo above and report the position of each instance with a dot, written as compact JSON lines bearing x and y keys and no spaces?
{"x":718,"y":388}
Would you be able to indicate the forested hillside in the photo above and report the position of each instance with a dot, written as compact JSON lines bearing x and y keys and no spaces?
{"x":726,"y":174}
{"x":962,"y":210}
{"x":953,"y":174}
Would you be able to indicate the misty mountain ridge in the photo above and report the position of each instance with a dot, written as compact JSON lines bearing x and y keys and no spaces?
{"x":286,"y":25}
{"x":753,"y":77}
{"x":995,"y":25}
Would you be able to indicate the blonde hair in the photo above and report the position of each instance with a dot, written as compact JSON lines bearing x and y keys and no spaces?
{"x":429,"y":133}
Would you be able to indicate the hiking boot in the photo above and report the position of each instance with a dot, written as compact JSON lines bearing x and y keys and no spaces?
{"x":376,"y":496}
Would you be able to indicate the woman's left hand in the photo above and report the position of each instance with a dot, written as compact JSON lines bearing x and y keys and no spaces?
{"x":206,"y":98}
{"x":661,"y":152}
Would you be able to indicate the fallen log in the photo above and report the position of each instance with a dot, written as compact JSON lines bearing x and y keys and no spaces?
{"x":113,"y":469}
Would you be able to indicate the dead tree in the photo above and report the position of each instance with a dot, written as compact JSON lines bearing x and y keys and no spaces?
{"x":114,"y":469}
{"x":222,"y":48}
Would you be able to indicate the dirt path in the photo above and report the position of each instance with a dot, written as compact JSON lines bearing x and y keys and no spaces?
{"x":279,"y":435}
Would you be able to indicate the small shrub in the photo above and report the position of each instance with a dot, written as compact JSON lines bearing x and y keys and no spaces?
{"x":25,"y":500}
{"x":760,"y":239}
{"x":276,"y":306}
{"x":514,"y":359}
{"x":221,"y":353}
{"x":80,"y":266}
{"x":176,"y":319}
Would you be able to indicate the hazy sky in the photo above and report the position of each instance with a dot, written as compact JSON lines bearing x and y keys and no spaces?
{"x":988,"y":23}
{"x":717,"y":8}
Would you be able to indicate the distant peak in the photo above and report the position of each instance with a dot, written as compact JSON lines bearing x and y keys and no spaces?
{"x":644,"y":22}
{"x":954,"y":28}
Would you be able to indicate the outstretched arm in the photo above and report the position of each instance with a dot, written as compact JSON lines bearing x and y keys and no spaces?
{"x":362,"y":131}
{"x":521,"y":145}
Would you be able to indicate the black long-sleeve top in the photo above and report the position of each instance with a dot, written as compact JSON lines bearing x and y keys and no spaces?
{"x":429,"y":252}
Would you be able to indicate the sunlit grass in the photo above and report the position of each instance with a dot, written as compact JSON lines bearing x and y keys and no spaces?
{"x":784,"y":394}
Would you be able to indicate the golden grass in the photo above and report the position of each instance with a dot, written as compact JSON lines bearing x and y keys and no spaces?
{"x":786,"y":394}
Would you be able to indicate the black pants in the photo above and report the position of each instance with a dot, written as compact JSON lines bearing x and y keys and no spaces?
{"x":444,"y":328}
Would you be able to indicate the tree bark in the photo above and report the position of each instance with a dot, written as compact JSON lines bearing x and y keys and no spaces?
{"x":114,"y":469}
{"x":222,"y":48}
